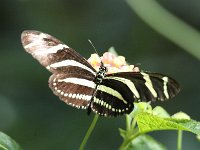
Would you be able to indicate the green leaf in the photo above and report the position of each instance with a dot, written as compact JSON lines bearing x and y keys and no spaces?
{"x":140,"y":107}
{"x":7,"y":143}
{"x":148,"y":122}
{"x":145,"y":142}
{"x":113,"y":51}
{"x":181,"y":115}
{"x":161,"y":112}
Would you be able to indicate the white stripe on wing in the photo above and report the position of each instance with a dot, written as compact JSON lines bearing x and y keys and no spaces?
{"x":66,"y":63}
{"x":111,"y":91}
{"x":149,"y":84}
{"x":79,"y":81}
{"x":51,"y":50}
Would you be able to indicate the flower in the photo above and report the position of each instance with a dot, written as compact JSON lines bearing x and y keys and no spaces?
{"x":113,"y":63}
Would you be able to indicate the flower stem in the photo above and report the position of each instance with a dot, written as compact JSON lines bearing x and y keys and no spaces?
{"x":179,"y":140}
{"x":88,"y":133}
{"x":127,"y":123}
{"x":128,"y":140}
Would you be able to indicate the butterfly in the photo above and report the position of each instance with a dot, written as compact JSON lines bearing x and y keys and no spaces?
{"x":78,"y":84}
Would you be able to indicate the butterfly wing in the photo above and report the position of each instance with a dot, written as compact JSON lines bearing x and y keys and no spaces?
{"x":73,"y":76}
{"x":118,"y":91}
{"x":147,"y":86}
{"x":53,"y":54}
{"x":111,"y":99}
{"x":73,"y":88}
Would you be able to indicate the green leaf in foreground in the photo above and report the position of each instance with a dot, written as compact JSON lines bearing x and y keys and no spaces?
{"x":161,"y":112}
{"x":145,"y":142}
{"x":148,"y":122}
{"x":7,"y":143}
{"x":181,"y":115}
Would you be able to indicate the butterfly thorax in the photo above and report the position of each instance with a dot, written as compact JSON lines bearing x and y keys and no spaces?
{"x":100,"y":74}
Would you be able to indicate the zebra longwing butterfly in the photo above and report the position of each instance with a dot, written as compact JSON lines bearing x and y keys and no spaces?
{"x":78,"y":84}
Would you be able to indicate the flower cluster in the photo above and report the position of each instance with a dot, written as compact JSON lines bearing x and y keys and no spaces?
{"x":113,"y":63}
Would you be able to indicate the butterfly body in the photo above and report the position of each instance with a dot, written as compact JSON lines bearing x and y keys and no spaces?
{"x":78,"y":84}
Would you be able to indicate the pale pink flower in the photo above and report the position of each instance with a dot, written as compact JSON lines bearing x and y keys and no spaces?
{"x":113,"y":63}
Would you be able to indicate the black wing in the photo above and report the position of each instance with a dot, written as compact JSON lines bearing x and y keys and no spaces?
{"x":117,"y":93}
{"x":71,"y":71}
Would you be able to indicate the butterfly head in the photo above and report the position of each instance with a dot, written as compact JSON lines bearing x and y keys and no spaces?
{"x":100,"y":74}
{"x":103,"y":68}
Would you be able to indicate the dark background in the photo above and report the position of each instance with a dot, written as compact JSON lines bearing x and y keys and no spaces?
{"x":37,"y":119}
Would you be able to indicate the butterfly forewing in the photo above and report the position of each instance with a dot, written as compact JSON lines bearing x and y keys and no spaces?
{"x":165,"y":86}
{"x":53,"y":54}
{"x":73,"y":76}
{"x":147,"y":86}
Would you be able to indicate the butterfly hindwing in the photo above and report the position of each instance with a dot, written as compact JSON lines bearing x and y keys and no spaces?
{"x":112,"y":98}
{"x":73,"y":88}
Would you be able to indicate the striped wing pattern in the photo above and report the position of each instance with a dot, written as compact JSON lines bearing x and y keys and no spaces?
{"x":112,"y":98}
{"x":73,"y":79}
{"x":53,"y":54}
{"x":73,"y":76}
{"x":73,"y":88}
{"x":116,"y":94}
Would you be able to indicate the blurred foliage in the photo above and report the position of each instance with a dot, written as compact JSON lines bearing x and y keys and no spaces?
{"x":141,"y":143}
{"x":34,"y":117}
{"x":7,"y":143}
{"x":168,"y":25}
{"x":143,"y":119}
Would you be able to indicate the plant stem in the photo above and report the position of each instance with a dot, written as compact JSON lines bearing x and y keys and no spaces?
{"x":133,"y":124}
{"x":124,"y":144}
{"x":128,"y":140}
{"x":179,"y":139}
{"x":127,"y":123}
{"x":1,"y":146}
{"x":88,"y":133}
{"x":167,"y":24}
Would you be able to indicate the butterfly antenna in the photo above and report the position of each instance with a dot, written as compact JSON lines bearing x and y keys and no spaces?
{"x":95,"y":50}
